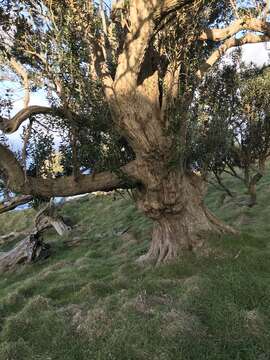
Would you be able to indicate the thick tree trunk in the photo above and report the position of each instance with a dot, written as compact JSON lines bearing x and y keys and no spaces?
{"x":181,"y":220}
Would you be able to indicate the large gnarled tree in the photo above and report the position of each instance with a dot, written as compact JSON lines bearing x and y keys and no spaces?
{"x":139,"y":64}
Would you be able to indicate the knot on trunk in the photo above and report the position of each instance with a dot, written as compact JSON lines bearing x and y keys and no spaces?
{"x":181,"y":219}
{"x":171,"y":195}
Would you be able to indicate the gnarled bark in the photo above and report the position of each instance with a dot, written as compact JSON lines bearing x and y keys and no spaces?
{"x":181,"y":220}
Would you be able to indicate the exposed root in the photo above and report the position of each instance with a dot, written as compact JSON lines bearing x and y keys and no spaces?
{"x":175,"y":203}
{"x":172,"y":235}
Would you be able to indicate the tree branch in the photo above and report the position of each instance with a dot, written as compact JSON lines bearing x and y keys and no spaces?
{"x":168,"y":6}
{"x":101,"y":69}
{"x":20,"y":70}
{"x":137,"y":40}
{"x":251,"y":24}
{"x":161,"y":8}
{"x":143,"y":17}
{"x":9,"y":126}
{"x":232,"y":42}
{"x":171,"y":85}
{"x":65,"y":185}
{"x":14,"y":203}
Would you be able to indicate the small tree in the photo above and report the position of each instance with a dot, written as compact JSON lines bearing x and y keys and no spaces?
{"x":234,"y":131}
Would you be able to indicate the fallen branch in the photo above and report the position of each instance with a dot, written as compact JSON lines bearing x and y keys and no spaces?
{"x":11,"y":236}
{"x":14,"y":203}
{"x":32,"y":248}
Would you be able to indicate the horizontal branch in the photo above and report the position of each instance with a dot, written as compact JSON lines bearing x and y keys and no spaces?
{"x":9,"y":126}
{"x":14,"y":203}
{"x":70,"y":186}
{"x":230,"y":43}
{"x":251,"y":24}
{"x":62,"y":186}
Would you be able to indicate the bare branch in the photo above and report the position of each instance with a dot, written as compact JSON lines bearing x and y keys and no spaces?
{"x":9,"y":126}
{"x":20,"y":70}
{"x":232,"y":42}
{"x":251,"y":24}
{"x":65,"y":185}
{"x":143,"y":17}
{"x":14,"y":203}
{"x":234,"y":6}
{"x":102,"y":70}
{"x":171,"y":85}
{"x":161,"y":8}
{"x":26,"y":139}
{"x":106,"y":46}
{"x":137,"y":40}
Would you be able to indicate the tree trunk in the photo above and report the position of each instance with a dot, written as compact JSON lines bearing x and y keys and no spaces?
{"x":253,"y":194}
{"x":175,"y":202}
{"x":252,"y":185}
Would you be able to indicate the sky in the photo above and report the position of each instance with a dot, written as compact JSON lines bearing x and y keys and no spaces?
{"x":256,"y":53}
{"x":36,"y":99}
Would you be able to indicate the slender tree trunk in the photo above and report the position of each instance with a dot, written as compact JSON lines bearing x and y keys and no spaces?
{"x":181,"y":220}
{"x":250,"y":183}
{"x":252,"y":186}
{"x":253,"y":194}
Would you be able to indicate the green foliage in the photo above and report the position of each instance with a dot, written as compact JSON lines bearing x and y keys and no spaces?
{"x":229,"y":124}
{"x":51,"y":40}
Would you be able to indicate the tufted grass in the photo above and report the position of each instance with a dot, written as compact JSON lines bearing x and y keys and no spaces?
{"x":92,"y":301}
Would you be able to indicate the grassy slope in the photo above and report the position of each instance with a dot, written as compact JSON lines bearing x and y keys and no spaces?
{"x":93,"y":302}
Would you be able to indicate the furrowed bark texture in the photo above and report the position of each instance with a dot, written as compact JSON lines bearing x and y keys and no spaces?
{"x":175,"y":202}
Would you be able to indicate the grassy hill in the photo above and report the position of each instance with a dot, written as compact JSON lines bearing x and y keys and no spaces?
{"x":92,"y":301}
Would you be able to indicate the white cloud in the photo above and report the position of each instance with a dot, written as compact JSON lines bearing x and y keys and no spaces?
{"x":256,"y":53}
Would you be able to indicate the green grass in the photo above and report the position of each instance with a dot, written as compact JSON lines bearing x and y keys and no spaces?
{"x":93,"y":301}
